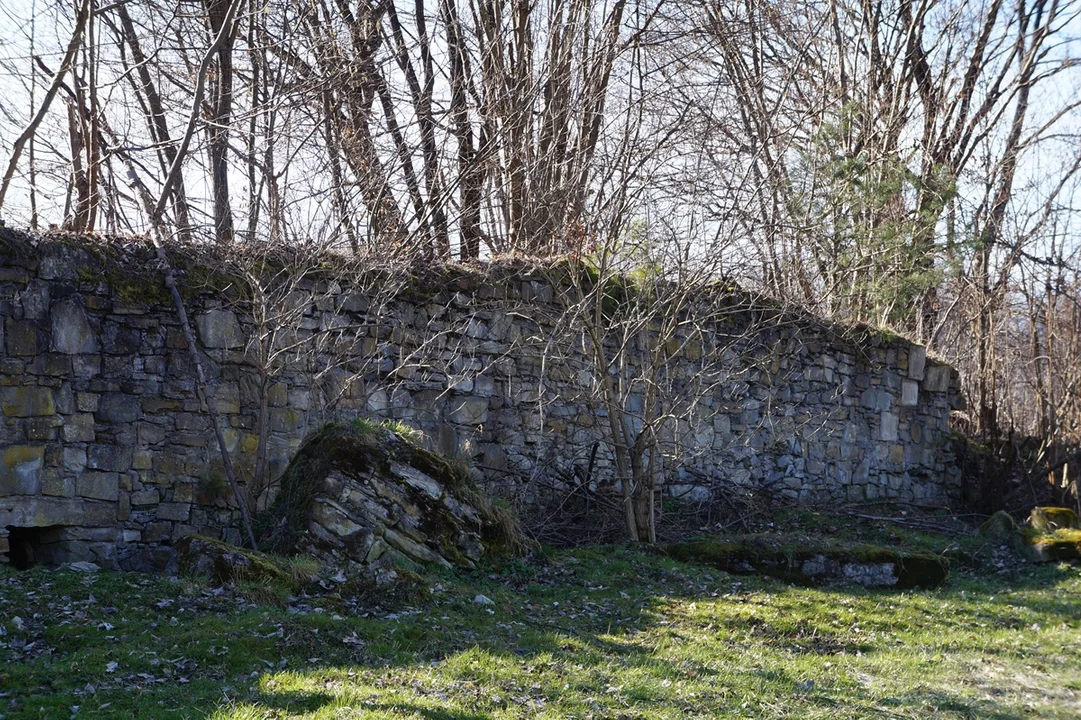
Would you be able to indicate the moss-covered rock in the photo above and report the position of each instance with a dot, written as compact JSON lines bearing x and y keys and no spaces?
{"x":1049,"y":519}
{"x":1000,"y":526}
{"x":865,"y":565}
{"x":1063,"y":545}
{"x":205,"y":557}
{"x":371,"y":495}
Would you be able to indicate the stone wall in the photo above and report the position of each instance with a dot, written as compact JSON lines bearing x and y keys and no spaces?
{"x":107,"y":455}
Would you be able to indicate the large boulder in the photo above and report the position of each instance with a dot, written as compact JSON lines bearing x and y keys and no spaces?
{"x":363,"y":494}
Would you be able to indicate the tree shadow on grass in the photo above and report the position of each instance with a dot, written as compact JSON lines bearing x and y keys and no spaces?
{"x":593,"y":645}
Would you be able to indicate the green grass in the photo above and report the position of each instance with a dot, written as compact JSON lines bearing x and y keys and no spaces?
{"x":609,"y":632}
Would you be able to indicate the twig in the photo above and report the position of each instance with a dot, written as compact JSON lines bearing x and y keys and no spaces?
{"x":69,"y":58}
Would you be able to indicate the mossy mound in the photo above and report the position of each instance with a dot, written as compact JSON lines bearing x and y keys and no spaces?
{"x":370,"y":494}
{"x":1000,"y":526}
{"x":1062,"y":545}
{"x":1049,"y":519}
{"x":865,"y":565}
{"x":219,"y":561}
{"x":1053,"y":534}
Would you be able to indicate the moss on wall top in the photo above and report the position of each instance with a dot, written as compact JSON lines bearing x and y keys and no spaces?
{"x":129,"y":266}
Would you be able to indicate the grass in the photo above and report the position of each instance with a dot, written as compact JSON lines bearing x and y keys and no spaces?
{"x":612,"y":632}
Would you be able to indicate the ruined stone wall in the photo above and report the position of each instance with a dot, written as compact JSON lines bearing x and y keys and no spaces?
{"x":106,"y":454}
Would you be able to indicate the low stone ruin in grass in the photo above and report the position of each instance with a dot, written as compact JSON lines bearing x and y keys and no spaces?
{"x":360,"y":495}
{"x":1053,"y":534}
{"x":864,"y":565}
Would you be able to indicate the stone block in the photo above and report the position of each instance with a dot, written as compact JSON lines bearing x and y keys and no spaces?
{"x":917,"y":360}
{"x":112,"y":458}
{"x":298,"y":399}
{"x":278,"y":395}
{"x":20,"y":469}
{"x":220,"y":329}
{"x":119,"y":408}
{"x":57,"y":485}
{"x":155,"y":405}
{"x":118,"y":339}
{"x":74,"y":459}
{"x":51,"y":365}
{"x":176,"y":512}
{"x":190,"y":422}
{"x":483,"y":386}
{"x":169,"y":464}
{"x":888,"y":428}
{"x":42,"y":429}
{"x":156,"y":532}
{"x":14,"y":275}
{"x":150,"y":434}
{"x":937,"y":378}
{"x":35,"y":300}
{"x":78,"y":428}
{"x":20,"y":338}
{"x":27,"y":401}
{"x":154,"y":365}
{"x":469,"y":411}
{"x":98,"y":485}
{"x":284,"y":420}
{"x":910,"y":393}
{"x":64,"y":399}
{"x":46,"y":511}
{"x":86,"y":366}
{"x":145,"y":497}
{"x":71,"y":331}
{"x":876,"y":398}
{"x":184,"y":492}
{"x":142,"y":460}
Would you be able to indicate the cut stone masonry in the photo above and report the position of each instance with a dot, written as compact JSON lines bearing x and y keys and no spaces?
{"x":106,"y":455}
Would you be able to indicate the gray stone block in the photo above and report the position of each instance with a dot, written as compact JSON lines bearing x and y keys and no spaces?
{"x":910,"y":393}
{"x":20,"y":338}
{"x":71,"y":331}
{"x":937,"y":378}
{"x":876,"y":398}
{"x":74,"y":459}
{"x":220,"y":329}
{"x":57,"y":486}
{"x":27,"y":401}
{"x":109,"y":457}
{"x":20,"y":469}
{"x":78,"y":428}
{"x":917,"y":359}
{"x":118,"y":407}
{"x":176,"y":512}
{"x":98,"y":485}
{"x":145,"y":497}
